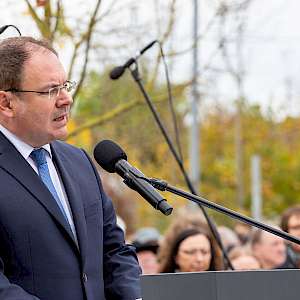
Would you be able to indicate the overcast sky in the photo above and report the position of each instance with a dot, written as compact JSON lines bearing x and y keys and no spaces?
{"x":271,"y":47}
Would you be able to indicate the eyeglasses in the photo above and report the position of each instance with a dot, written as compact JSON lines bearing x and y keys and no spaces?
{"x":294,"y":227}
{"x":52,"y":93}
{"x":192,"y":252}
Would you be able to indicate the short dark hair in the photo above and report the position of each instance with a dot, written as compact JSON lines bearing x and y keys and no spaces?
{"x":14,"y":52}
{"x":291,"y":211}
{"x":256,"y":237}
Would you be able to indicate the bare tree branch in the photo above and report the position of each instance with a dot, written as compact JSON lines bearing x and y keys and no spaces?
{"x":106,"y":117}
{"x":88,"y":37}
{"x":107,"y":12}
{"x":165,"y":36}
{"x":58,"y":17}
{"x":200,"y":37}
{"x":42,"y":26}
{"x":48,"y":15}
{"x":73,"y":59}
{"x":122,"y":109}
{"x":238,"y":75}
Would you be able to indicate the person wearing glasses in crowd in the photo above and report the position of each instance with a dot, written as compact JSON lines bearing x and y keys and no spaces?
{"x":58,"y":232}
{"x":191,"y":250}
{"x":146,"y":243}
{"x":290,"y":223}
{"x":268,"y":249}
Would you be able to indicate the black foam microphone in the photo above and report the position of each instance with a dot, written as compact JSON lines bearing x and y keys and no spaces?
{"x":113,"y":159}
{"x":117,"y":72}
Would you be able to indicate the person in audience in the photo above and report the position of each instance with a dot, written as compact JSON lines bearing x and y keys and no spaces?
{"x":182,"y":219}
{"x":269,"y":249}
{"x":192,"y":250}
{"x":243,"y":232}
{"x":241,"y":258}
{"x":229,"y":238}
{"x":146,"y":242}
{"x":290,"y":223}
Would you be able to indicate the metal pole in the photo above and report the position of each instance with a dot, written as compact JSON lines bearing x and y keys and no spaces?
{"x":256,"y":202}
{"x":194,"y":130}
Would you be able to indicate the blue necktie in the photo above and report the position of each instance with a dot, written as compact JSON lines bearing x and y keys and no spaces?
{"x":39,"y":157}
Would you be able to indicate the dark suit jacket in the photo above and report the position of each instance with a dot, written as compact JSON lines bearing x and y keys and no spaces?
{"x":39,"y":258}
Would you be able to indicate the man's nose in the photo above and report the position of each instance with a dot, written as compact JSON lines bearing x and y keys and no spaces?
{"x":64,"y":98}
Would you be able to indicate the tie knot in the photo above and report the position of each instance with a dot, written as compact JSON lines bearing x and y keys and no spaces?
{"x":39,"y":156}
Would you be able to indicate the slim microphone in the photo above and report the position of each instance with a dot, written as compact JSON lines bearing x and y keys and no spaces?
{"x":117,"y":72}
{"x":3,"y":28}
{"x":113,"y":159}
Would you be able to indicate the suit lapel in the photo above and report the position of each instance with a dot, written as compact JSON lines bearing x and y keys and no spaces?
{"x":14,"y":163}
{"x":68,"y":175}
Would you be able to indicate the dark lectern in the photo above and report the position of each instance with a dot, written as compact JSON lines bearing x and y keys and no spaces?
{"x":227,"y":285}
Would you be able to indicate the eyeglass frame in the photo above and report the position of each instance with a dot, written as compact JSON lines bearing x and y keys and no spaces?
{"x":72,"y":85}
{"x":193,"y":252}
{"x":294,"y":227}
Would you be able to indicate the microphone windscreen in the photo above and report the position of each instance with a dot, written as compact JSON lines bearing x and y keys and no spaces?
{"x":107,"y":153}
{"x":117,"y":72}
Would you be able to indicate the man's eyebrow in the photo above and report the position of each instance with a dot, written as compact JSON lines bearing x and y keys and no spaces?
{"x":50,"y":85}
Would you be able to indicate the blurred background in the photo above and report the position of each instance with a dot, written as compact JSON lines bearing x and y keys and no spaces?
{"x":234,"y":71}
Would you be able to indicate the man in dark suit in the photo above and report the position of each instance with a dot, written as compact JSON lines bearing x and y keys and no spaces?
{"x":58,"y":234}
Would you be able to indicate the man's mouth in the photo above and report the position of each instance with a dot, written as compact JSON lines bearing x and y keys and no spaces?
{"x":64,"y":115}
{"x":61,"y":118}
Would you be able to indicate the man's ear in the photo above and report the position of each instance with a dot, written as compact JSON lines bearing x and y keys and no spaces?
{"x":5,"y":104}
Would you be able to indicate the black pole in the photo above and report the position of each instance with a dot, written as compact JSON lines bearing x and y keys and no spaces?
{"x":164,"y":186}
{"x":3,"y":28}
{"x":135,"y":74}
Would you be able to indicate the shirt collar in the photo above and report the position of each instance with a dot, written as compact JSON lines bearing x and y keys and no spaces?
{"x":20,"y":145}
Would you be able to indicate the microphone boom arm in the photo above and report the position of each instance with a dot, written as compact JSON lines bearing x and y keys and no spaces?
{"x":164,"y":186}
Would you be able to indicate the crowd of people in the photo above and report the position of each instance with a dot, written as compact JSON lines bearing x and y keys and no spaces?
{"x":189,"y":246}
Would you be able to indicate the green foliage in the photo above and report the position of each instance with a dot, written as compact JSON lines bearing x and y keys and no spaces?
{"x":106,"y":109}
{"x":134,"y":129}
{"x":277,"y":144}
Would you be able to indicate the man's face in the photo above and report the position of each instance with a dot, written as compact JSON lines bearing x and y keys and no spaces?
{"x":38,"y":120}
{"x":148,"y":262}
{"x":245,"y":262}
{"x":294,"y":229}
{"x":271,"y":251}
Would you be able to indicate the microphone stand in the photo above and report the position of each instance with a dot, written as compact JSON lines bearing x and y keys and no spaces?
{"x":164,"y":186}
{"x":135,"y":74}
{"x":3,"y":28}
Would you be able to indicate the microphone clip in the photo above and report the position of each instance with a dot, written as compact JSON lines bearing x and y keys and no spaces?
{"x":117,"y":72}
{"x":158,"y":184}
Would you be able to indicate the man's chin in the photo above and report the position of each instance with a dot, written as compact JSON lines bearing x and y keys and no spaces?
{"x":61,"y":135}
